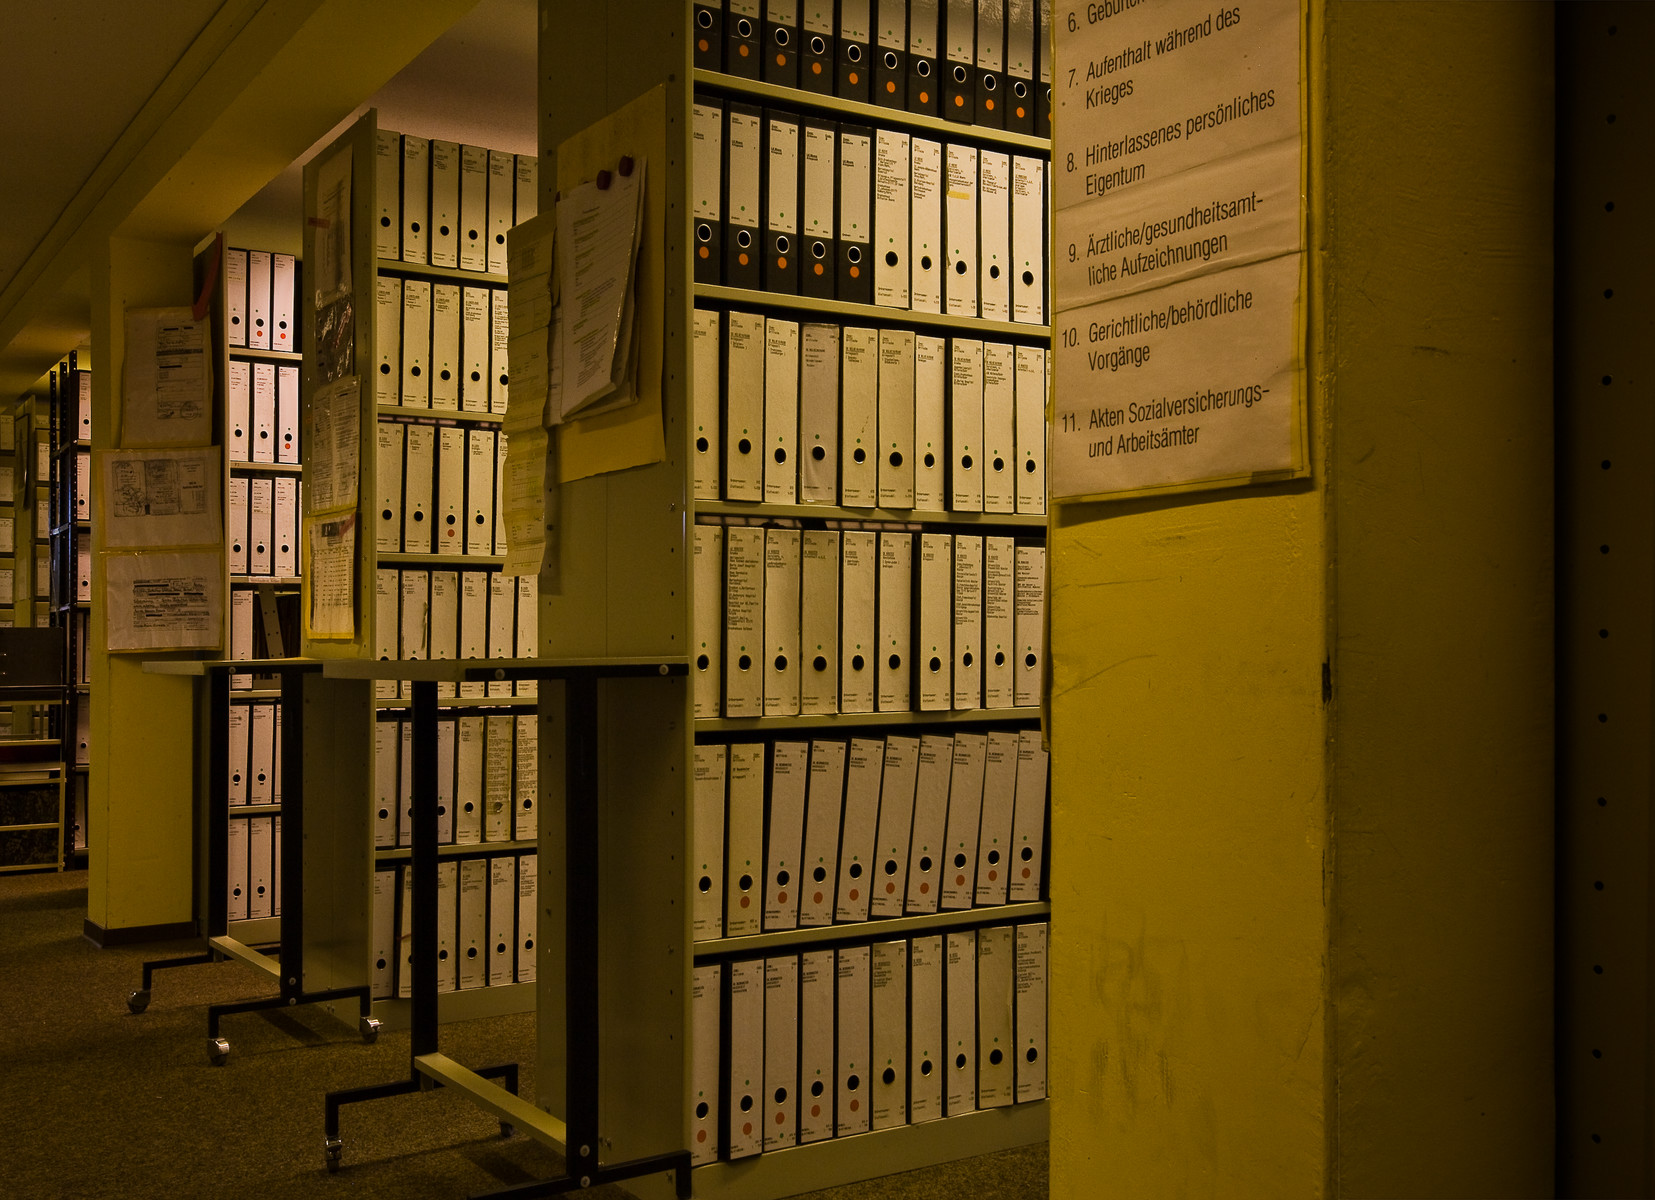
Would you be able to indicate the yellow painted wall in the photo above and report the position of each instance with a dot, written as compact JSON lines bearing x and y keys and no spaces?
{"x":1303,"y":948}
{"x":141,"y":832}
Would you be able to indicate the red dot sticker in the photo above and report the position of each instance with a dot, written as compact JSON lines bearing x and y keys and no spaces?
{"x":746,"y":1126}
{"x":746,"y":900}
{"x":855,"y":893}
{"x":815,"y":1110}
{"x":993,"y":875}
{"x":924,"y":889}
{"x":781,"y":897}
{"x":855,"y":1105}
{"x":889,"y":888}
{"x":780,"y":1117}
{"x":700,"y":1135}
{"x":817,"y":898}
{"x":959,"y":881}
{"x":1025,"y":872}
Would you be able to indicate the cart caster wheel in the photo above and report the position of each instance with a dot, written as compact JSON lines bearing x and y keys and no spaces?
{"x":137,"y":1001}
{"x":369,"y":1027}
{"x":218,"y":1051}
{"x":506,"y":1129}
{"x":333,"y":1154}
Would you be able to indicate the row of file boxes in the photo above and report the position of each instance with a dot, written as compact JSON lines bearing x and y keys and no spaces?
{"x":865,"y":830}
{"x":485,"y":924}
{"x":254,"y":857}
{"x":487,"y":779}
{"x":261,"y":300}
{"x":836,"y":1042}
{"x":263,"y":525}
{"x":441,"y":346}
{"x":836,"y":211}
{"x":424,"y":613}
{"x":263,"y":400}
{"x":255,"y":764}
{"x":985,"y":62}
{"x":811,"y":413}
{"x":812,"y":622}
{"x":444,"y":204}
{"x":439,"y":489}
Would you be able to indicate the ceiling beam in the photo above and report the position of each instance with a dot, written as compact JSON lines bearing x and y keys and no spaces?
{"x":260,"y":84}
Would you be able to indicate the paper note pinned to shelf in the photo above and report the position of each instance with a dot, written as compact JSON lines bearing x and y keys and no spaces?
{"x":332,"y":270}
{"x":169,"y":601}
{"x":333,"y":446}
{"x":597,"y":443}
{"x":330,"y":576}
{"x":598,"y":233}
{"x":161,"y":498}
{"x":167,"y":392}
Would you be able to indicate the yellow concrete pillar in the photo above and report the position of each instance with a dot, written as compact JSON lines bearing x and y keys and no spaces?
{"x":1302,"y":734}
{"x":141,"y":829}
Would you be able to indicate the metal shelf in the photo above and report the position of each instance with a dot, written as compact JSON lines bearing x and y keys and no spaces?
{"x":401,"y":558}
{"x":830,"y":721}
{"x":872,"y":114}
{"x":873,"y":930}
{"x":257,"y":355}
{"x":399,"y":412}
{"x":395,"y":266}
{"x":395,"y":854}
{"x":874,"y":314}
{"x":900,"y":516}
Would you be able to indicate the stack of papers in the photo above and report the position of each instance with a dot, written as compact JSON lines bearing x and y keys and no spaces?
{"x":599,"y":227}
{"x":530,"y":403}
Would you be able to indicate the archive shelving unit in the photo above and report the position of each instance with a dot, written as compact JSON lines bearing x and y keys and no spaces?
{"x":70,"y":602}
{"x":264,"y":605}
{"x":624,"y":559}
{"x":360,"y":351}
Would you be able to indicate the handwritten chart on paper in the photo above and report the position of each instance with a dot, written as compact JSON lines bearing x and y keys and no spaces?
{"x":1177,"y":246}
{"x":161,"y":498}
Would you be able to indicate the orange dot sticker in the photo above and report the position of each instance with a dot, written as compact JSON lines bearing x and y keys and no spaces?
{"x":1020,"y":112}
{"x":959,"y":101}
{"x":781,"y":60}
{"x":856,"y":272}
{"x":815,"y":68}
{"x":989,"y":104}
{"x":742,"y":50}
{"x":704,"y":252}
{"x":854,"y":77}
{"x":1025,"y":872}
{"x":781,"y":264}
{"x":818,"y":268}
{"x":890,"y":86}
{"x":925,"y":97}
{"x":701,"y":45}
{"x":742,"y":259}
